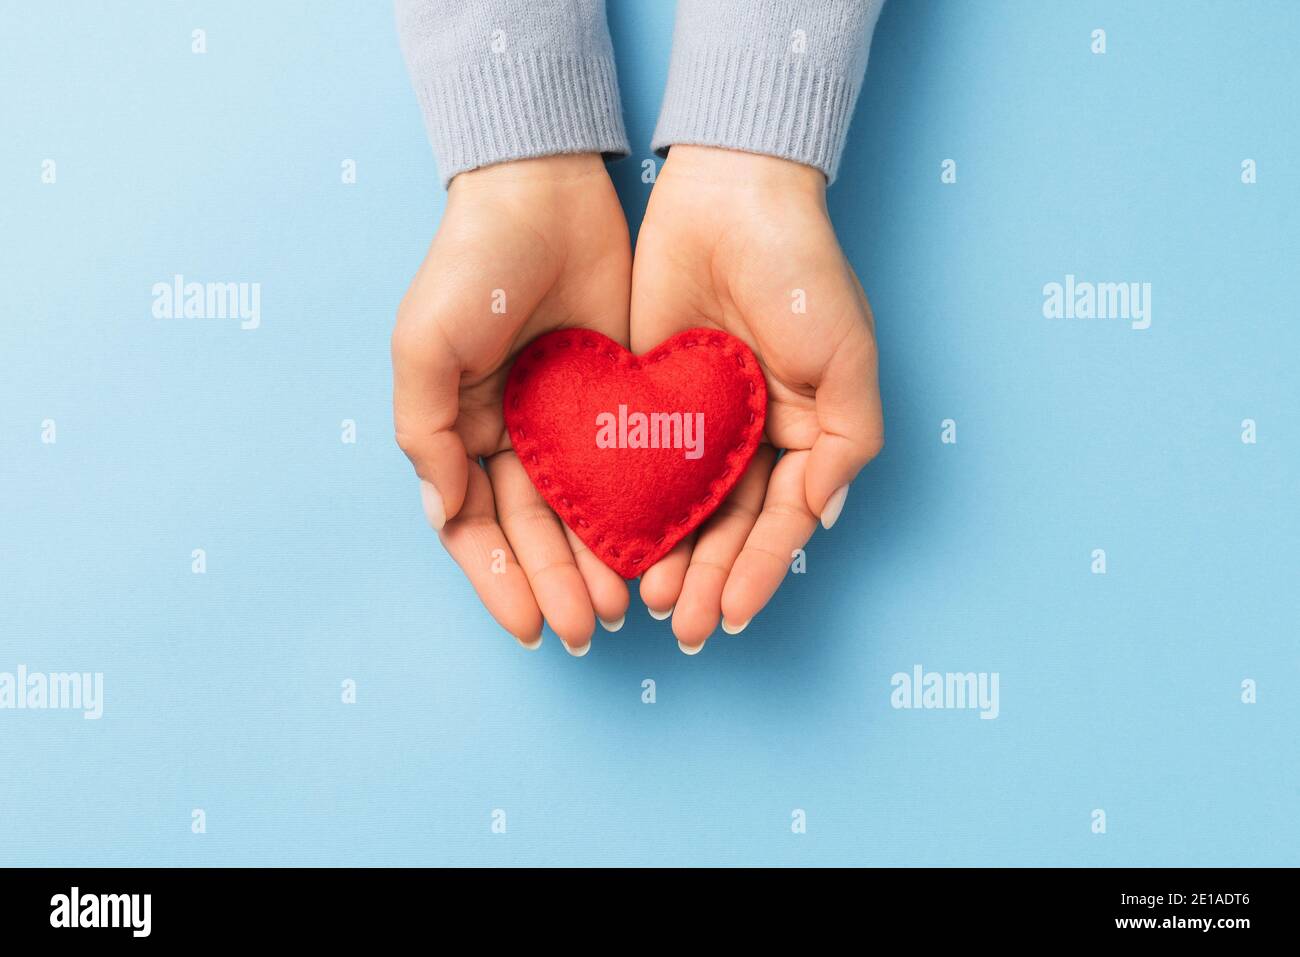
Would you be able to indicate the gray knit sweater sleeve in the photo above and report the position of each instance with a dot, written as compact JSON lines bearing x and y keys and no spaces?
{"x":501,"y":80}
{"x":767,"y":76}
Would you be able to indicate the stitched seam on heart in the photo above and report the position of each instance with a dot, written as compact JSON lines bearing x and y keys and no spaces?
{"x":738,"y":457}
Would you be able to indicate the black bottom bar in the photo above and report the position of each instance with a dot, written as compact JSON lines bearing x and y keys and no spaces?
{"x":93,"y":906}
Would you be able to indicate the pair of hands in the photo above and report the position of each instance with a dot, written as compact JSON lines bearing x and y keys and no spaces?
{"x":731,"y":240}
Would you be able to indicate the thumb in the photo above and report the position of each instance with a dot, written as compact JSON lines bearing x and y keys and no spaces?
{"x":851,"y":428}
{"x":426,"y":394}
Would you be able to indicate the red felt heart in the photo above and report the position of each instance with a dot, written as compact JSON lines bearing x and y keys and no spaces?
{"x":633,"y":488}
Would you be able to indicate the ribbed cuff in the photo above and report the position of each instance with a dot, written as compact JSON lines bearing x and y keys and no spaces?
{"x":506,"y":108}
{"x":780,"y":105}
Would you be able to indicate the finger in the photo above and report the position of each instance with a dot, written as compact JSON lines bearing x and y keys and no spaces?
{"x":538,"y":539}
{"x":669,"y":292}
{"x":606,"y":587}
{"x":851,"y":426}
{"x":661,"y":583}
{"x":475,"y":540}
{"x":720,"y":541}
{"x":784,"y":525}
{"x":426,"y":384}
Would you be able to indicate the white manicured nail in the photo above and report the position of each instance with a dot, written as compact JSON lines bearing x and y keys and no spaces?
{"x":577,"y":652}
{"x":659,"y":615}
{"x":531,"y":645}
{"x":613,"y":625}
{"x":688,"y":650}
{"x":834,"y":505}
{"x":735,"y":629}
{"x":434,"y":510}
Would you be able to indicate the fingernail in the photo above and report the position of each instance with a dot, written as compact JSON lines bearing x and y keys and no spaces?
{"x":689,"y":649}
{"x":834,"y":505}
{"x":434,"y":510}
{"x":531,"y":645}
{"x":577,"y":652}
{"x":659,"y":615}
{"x":613,"y":625}
{"x":735,"y":629}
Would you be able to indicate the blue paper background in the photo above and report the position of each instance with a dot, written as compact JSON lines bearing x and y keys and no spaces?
{"x":1120,"y":692}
